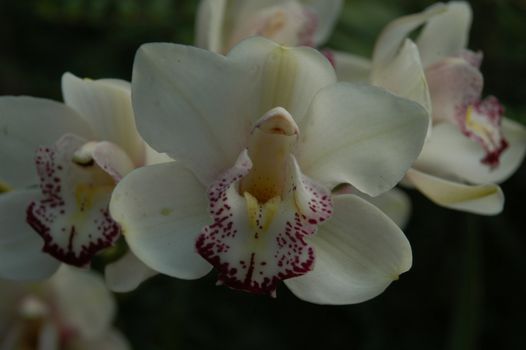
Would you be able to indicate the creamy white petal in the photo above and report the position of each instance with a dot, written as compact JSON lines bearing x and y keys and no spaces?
{"x":127,"y":273}
{"x":398,"y":30}
{"x":359,"y":252}
{"x":27,"y":123}
{"x":350,"y":67}
{"x":83,"y":301}
{"x":478,"y":199}
{"x":394,"y":203}
{"x":445,"y":34}
{"x":404,"y":76}
{"x":20,"y":246}
{"x":162,"y":209}
{"x":327,"y":12}
{"x":112,"y":159}
{"x":106,"y":105}
{"x":450,"y":154}
{"x":209,"y":25}
{"x":362,"y":135}
{"x":215,"y":99}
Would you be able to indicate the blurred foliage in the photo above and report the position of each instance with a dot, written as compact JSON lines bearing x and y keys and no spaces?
{"x":466,"y":288}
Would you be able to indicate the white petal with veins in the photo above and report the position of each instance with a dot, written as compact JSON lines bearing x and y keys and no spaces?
{"x":162,"y":209}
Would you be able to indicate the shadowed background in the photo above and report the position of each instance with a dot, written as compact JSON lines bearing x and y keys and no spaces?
{"x":466,"y":288}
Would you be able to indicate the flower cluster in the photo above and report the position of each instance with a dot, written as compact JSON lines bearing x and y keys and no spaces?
{"x":255,"y":154}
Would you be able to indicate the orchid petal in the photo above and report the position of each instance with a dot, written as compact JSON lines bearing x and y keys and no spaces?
{"x":359,"y":252}
{"x":361,"y":135}
{"x":445,"y":34}
{"x":127,"y":273}
{"x":20,"y":246}
{"x":350,"y":67}
{"x":394,"y":203}
{"x":398,"y":30}
{"x":106,"y":106}
{"x":209,"y":25}
{"x":215,"y":99}
{"x":450,"y":154}
{"x":478,"y":199}
{"x":162,"y":209}
{"x":112,"y":159}
{"x":71,"y":214}
{"x":27,"y":123}
{"x":404,"y":76}
{"x":326,"y":12}
{"x":453,"y":84}
{"x":84,"y":302}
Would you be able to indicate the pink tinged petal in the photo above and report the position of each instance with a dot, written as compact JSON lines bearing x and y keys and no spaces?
{"x":72,"y":215}
{"x":451,"y":155}
{"x":27,"y":123}
{"x":445,"y":34}
{"x":394,"y":34}
{"x":454,"y":84}
{"x":359,"y":252}
{"x":162,"y":209}
{"x":287,"y":23}
{"x":177,"y":87}
{"x":106,"y":105}
{"x":253,"y":245}
{"x":20,"y":247}
{"x":478,"y":199}
{"x":361,"y":135}
{"x":472,"y":57}
{"x":127,"y":273}
{"x":84,"y":304}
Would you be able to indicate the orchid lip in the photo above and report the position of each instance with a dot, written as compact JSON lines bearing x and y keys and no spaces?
{"x":72,"y":214}
{"x":263,"y":209}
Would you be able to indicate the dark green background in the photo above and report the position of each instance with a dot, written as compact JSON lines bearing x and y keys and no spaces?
{"x":467,"y":287}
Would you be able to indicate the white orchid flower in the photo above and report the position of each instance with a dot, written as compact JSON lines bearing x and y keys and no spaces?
{"x":261,"y":136}
{"x":221,"y":24}
{"x":80,"y":149}
{"x":472,"y":146}
{"x":73,"y":310}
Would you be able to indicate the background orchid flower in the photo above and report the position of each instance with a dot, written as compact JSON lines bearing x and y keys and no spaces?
{"x":471,"y":146}
{"x":261,"y":136}
{"x":73,"y":310}
{"x":83,"y":147}
{"x":221,"y":24}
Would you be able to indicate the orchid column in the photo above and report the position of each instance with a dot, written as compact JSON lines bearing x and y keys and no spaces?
{"x":261,"y":136}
